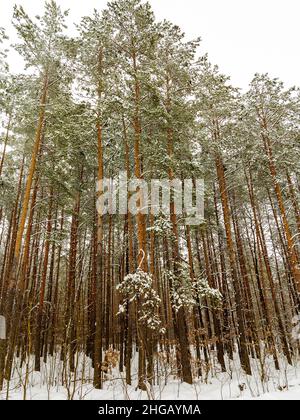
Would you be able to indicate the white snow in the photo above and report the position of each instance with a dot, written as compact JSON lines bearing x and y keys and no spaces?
{"x":233,"y":384}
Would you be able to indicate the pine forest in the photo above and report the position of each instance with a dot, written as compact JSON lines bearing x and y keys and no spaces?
{"x":143,"y":304}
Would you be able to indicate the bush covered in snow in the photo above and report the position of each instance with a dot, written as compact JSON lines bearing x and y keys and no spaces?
{"x":138,"y":287}
{"x":187,"y":293}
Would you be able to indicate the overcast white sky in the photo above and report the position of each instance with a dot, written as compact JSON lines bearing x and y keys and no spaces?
{"x":241,"y":36}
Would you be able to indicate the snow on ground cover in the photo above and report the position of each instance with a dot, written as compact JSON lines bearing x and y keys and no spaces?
{"x":233,"y":384}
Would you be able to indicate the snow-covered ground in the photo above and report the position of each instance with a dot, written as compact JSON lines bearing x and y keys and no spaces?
{"x":233,"y":384}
